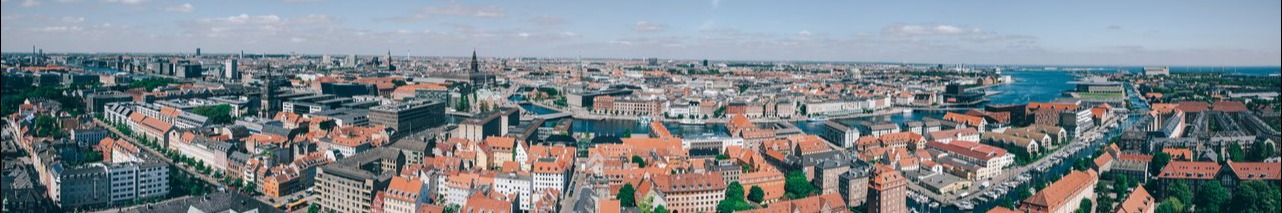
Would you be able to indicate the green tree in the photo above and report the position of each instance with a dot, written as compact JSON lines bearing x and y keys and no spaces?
{"x":47,"y":126}
{"x":660,"y":209}
{"x":314,"y":208}
{"x":627,"y":196}
{"x":452,"y":208}
{"x":646,"y":204}
{"x":1085,"y":206}
{"x":217,"y":114}
{"x":1256,"y":197}
{"x":1260,"y":151}
{"x":1211,"y":198}
{"x":639,"y":161}
{"x":1170,"y":206}
{"x":1159,"y":161}
{"x":734,"y":199}
{"x":796,"y":185}
{"x":756,"y":194}
{"x":1236,"y":153}
{"x":1179,"y":190}
{"x":734,"y":191}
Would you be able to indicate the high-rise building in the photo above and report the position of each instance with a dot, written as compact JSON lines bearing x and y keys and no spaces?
{"x":197,"y":52}
{"x":351,"y":61}
{"x":231,"y":70}
{"x":350,"y":184}
{"x":409,"y":117}
{"x":887,"y":191}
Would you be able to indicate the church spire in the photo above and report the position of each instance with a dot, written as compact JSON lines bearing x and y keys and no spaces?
{"x":476,"y":66}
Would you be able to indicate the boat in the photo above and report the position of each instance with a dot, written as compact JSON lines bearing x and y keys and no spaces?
{"x":965,"y":205}
{"x":933,"y":205}
{"x":818,"y":118}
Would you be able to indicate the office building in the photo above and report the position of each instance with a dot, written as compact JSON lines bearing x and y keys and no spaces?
{"x":409,"y":117}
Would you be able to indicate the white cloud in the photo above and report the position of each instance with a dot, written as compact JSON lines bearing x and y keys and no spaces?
{"x":646,"y":27}
{"x":804,"y":33}
{"x":185,"y":8}
{"x":927,"y":30}
{"x":126,"y":1}
{"x":69,"y":19}
{"x":716,"y":4}
{"x":463,"y":11}
{"x":30,"y":3}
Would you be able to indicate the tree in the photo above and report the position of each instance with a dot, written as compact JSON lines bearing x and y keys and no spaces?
{"x":1120,"y":184}
{"x":796,"y":185}
{"x":314,"y":208}
{"x":734,"y":191}
{"x":1159,"y":161}
{"x":734,"y":199}
{"x":1256,"y":197}
{"x":803,"y":110}
{"x":47,"y":126}
{"x":627,"y":133}
{"x":217,"y":114}
{"x":1085,"y":206}
{"x":1211,"y":198}
{"x":660,"y":209}
{"x":452,"y":208}
{"x":756,"y":194}
{"x":1260,"y":151}
{"x":1170,"y":206}
{"x":1179,"y":190}
{"x":646,"y":204}
{"x":627,"y":196}
{"x":637,"y":160}
{"x":1236,"y":153}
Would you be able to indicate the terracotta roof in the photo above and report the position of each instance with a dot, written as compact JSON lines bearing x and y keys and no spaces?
{"x":480,"y":203}
{"x":1190,"y":170}
{"x":1179,"y":153}
{"x":689,"y":182}
{"x":1193,"y":106}
{"x":1135,"y":157}
{"x":1103,"y":160}
{"x":808,"y":143}
{"x":609,"y":206}
{"x":970,"y":149}
{"x":1000,"y":209}
{"x":405,"y":189}
{"x":1059,"y":193}
{"x":1256,"y":170}
{"x":964,"y":119}
{"x":1138,"y":202}
{"x":501,"y":142}
{"x":1164,"y":108}
{"x":1229,"y":106}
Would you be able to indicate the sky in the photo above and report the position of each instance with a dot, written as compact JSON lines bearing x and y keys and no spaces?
{"x":1138,"y":32}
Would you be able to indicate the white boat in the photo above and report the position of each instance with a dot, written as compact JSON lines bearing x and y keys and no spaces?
{"x":819,"y":118}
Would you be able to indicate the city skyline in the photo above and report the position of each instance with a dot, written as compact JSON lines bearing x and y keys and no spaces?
{"x":1124,"y":33}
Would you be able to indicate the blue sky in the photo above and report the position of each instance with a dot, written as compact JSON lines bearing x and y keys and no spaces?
{"x":1216,"y":33}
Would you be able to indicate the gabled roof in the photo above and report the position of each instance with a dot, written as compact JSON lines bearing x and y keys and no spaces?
{"x":1190,"y":170}
{"x":1138,"y":201}
{"x":1256,"y":170}
{"x":1060,"y":192}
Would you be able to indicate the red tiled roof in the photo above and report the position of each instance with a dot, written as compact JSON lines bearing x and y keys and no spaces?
{"x":1190,"y":170}
{"x":1193,"y":106}
{"x":1138,"y":201}
{"x":1256,"y":170}
{"x":1060,"y":192}
{"x":969,"y":148}
{"x":1229,"y":106}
